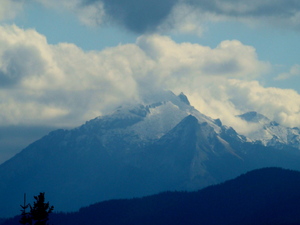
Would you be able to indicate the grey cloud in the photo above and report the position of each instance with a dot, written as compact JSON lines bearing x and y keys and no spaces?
{"x":136,"y":15}
{"x":248,"y":8}
{"x":19,"y":62}
{"x":225,"y":67}
{"x":146,"y":16}
{"x":10,"y":8}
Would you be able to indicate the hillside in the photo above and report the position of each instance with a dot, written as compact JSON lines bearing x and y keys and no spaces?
{"x":264,"y":196}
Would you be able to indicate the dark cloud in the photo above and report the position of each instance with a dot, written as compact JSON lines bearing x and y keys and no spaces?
{"x":146,"y":16}
{"x":136,"y":15}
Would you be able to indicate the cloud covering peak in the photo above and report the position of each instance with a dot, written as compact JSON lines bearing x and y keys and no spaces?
{"x":62,"y":85}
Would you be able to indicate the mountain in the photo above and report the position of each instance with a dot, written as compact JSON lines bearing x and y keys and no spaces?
{"x":160,"y":144}
{"x":270,"y":133}
{"x":264,"y":196}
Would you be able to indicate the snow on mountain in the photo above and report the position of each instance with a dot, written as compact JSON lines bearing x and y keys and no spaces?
{"x":160,"y":144}
{"x":270,"y":133}
{"x":254,"y":117}
{"x":155,"y":116}
{"x":160,"y":119}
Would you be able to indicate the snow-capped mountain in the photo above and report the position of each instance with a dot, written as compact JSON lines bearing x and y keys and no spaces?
{"x":270,"y":133}
{"x":160,"y":144}
{"x":150,"y":120}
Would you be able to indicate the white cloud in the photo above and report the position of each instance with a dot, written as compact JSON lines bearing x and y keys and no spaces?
{"x":92,"y":15}
{"x":278,"y":104}
{"x":229,"y":97}
{"x":229,"y":58}
{"x":184,"y":19}
{"x":62,"y":85}
{"x":9,"y":9}
{"x":294,"y":71}
{"x":281,"y":105}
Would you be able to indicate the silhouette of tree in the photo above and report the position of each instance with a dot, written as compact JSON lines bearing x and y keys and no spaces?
{"x":25,"y":216}
{"x":39,"y":212}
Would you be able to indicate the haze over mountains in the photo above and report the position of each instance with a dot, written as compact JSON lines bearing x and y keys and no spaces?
{"x":263,"y":196}
{"x":159,"y":145}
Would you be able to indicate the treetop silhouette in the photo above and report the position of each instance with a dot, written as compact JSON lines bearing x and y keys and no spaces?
{"x":39,"y":212}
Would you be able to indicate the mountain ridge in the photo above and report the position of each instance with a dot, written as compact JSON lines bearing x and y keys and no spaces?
{"x":262,"y":196}
{"x":137,"y":150}
{"x":271,"y":133}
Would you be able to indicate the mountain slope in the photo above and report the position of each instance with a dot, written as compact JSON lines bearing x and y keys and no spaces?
{"x":137,"y":150}
{"x":160,"y":144}
{"x":67,"y":166}
{"x":264,"y":196}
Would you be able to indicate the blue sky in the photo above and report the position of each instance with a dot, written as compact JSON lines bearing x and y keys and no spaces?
{"x":65,"y":62}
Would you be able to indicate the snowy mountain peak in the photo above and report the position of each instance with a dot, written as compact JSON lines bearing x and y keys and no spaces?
{"x":183,"y":98}
{"x":152,"y":118}
{"x":159,"y":144}
{"x":254,"y":117}
{"x":271,"y":133}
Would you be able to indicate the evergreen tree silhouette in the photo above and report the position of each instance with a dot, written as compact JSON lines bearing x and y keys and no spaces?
{"x":25,"y":216}
{"x":39,"y":212}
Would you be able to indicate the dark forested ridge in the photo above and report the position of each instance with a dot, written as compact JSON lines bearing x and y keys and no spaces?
{"x":264,"y":196}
